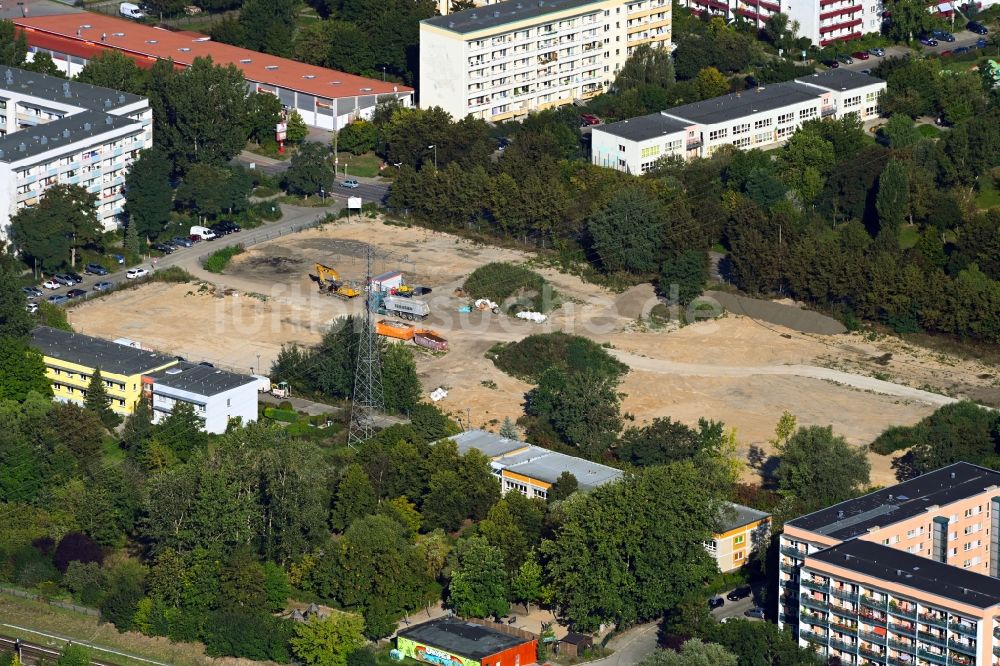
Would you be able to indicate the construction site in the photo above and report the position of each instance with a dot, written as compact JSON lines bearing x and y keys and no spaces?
{"x":743,"y":370}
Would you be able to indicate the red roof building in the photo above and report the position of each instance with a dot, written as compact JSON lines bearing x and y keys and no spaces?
{"x":324,"y":97}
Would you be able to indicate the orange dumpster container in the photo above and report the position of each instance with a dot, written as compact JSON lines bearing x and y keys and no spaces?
{"x":392,"y":328}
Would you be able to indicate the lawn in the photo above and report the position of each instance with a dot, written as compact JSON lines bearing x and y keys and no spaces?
{"x":929,"y":131}
{"x":20,"y":616}
{"x":366,"y":166}
{"x":989,"y":195}
{"x":909,"y":234}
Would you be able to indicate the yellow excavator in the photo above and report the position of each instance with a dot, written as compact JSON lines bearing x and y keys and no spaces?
{"x":330,"y":282}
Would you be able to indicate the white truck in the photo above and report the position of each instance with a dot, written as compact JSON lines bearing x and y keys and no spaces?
{"x":204,"y":232}
{"x":405,"y":308}
{"x":131,"y":10}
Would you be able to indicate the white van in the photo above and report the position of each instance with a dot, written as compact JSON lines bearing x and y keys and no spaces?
{"x":131,"y":10}
{"x":204,"y":232}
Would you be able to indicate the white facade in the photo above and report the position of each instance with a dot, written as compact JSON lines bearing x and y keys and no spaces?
{"x":822,"y":21}
{"x":752,"y":119}
{"x":507,"y":59}
{"x":216,"y":395}
{"x":61,"y":132}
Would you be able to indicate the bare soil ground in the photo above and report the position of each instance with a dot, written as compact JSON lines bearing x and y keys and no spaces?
{"x":737,"y":369}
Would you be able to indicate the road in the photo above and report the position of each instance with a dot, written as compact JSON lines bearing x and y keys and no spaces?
{"x":962,"y":38}
{"x":631,"y":646}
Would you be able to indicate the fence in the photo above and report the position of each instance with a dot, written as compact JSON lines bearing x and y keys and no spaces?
{"x":24,"y":594}
{"x":199,"y":20}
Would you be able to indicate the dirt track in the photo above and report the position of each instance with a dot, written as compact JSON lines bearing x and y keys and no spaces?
{"x":733,"y":369}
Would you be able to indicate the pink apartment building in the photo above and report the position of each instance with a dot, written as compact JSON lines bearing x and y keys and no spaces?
{"x":902,"y":576}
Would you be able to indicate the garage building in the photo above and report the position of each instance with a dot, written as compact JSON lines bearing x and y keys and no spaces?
{"x":449,"y":641}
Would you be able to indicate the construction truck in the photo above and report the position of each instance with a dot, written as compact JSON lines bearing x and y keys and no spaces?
{"x":330,"y":282}
{"x":405,"y":308}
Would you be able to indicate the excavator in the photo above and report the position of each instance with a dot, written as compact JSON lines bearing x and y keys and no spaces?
{"x":330,"y":282}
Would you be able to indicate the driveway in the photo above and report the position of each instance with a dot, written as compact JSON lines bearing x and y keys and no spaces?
{"x":631,"y":646}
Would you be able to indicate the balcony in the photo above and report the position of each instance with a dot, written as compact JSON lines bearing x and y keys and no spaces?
{"x":843,"y":25}
{"x":787,"y":568}
{"x":871,"y":602}
{"x":814,"y":618}
{"x":960,"y":646}
{"x":902,"y":629}
{"x":808,"y":602}
{"x":959,"y":659}
{"x":812,"y":636}
{"x":934,"y":639}
{"x":963,"y":628}
{"x":871,"y":637}
{"x":846,"y":628}
{"x":694,"y":145}
{"x":845,"y":595}
{"x":872,"y":653}
{"x":793,"y":552}
{"x":813,"y":585}
{"x":896,"y":661}
{"x":840,"y":12}
{"x":826,"y":112}
{"x":909,"y":612}
{"x":935,"y":657}
{"x":934,"y":620}
{"x":872,"y":618}
{"x":902,"y":645}
{"x":841,"y":644}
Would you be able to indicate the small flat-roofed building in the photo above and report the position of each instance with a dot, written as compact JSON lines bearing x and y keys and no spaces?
{"x":453,"y":642}
{"x":216,"y":395}
{"x":491,"y":445}
{"x":742,"y":530}
{"x":533,"y":470}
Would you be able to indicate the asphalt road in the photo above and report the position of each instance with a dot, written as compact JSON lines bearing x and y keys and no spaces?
{"x":962,"y":38}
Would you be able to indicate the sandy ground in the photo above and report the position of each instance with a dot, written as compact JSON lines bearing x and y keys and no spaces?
{"x":736,"y":369}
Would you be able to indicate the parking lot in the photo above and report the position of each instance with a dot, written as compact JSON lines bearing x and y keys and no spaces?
{"x":733,"y":609}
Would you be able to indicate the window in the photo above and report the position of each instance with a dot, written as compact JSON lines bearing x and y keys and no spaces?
{"x":739,"y":555}
{"x":972,"y":529}
{"x":741,"y":129}
{"x":717,"y":134}
{"x":914,"y":533}
{"x":712,"y":546}
{"x":953,"y":552}
{"x":57,"y":386}
{"x":974,"y":511}
{"x":742,"y":142}
{"x":766,"y":122}
{"x":786,"y":118}
{"x":651,"y":151}
{"x":738,"y":539}
{"x":621,"y":148}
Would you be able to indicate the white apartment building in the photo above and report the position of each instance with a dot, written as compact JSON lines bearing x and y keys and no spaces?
{"x":54,"y":131}
{"x":761,"y":118}
{"x":506,"y":59}
{"x":822,"y":21}
{"x":216,"y":395}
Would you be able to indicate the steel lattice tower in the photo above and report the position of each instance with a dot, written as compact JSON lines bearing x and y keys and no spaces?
{"x":368,"y":395}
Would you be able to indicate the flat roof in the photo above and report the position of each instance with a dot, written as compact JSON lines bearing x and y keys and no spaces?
{"x":642,"y":128}
{"x":183,"y":47}
{"x":490,"y":444}
{"x":545,"y":465}
{"x":914,"y":571}
{"x":502,"y":13}
{"x":199,"y":379}
{"x":94,"y":352}
{"x":736,"y":515}
{"x":56,"y":89}
{"x":745,"y":103}
{"x":461,"y":638}
{"x":31,"y":141}
{"x":904,"y":500}
{"x":839,"y":79}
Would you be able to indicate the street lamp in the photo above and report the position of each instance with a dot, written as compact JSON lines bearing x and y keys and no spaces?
{"x":258,"y":364}
{"x":435,"y":148}
{"x":383,"y":73}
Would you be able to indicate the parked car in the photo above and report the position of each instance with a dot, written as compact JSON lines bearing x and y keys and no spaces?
{"x":232,"y":226}
{"x":163,"y":247}
{"x":181,"y":241}
{"x":134,"y":273}
{"x":32,"y":292}
{"x":832,"y":64}
{"x":587,"y":119}
{"x":866,"y":71}
{"x":219,"y":230}
{"x":63,"y":279}
{"x":196,"y":238}
{"x":51,"y":284}
{"x":928,"y":41}
{"x":845,"y":59}
{"x":861,"y":55}
{"x":947,"y":53}
{"x":103,"y":285}
{"x":943,"y":35}
{"x":961,"y":50}
{"x":756,"y":612}
{"x":96,"y":269}
{"x":878,"y":52}
{"x":56,"y":299}
{"x":976,"y":27}
{"x":32,"y":308}
{"x":75,"y":277}
{"x":119,"y":258}
{"x":203,"y":233}
{"x":716,"y":602}
{"x":742,"y":592}
{"x":76,"y":293}
{"x":981,"y":43}
{"x":502,"y":143}
{"x":349,"y":183}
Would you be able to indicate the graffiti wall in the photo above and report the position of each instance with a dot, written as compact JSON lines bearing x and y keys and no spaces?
{"x":431,"y":655}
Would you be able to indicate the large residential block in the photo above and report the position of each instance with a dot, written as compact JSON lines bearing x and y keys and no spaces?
{"x":904,"y":576}
{"x":764,"y":117}
{"x":506,"y":59}
{"x":822,"y":21}
{"x":54,"y":131}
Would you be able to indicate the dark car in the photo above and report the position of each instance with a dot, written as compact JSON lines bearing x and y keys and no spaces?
{"x":76,"y":293}
{"x":756,"y":612}
{"x":181,"y":241}
{"x":163,"y":247}
{"x":832,"y":64}
{"x":716,"y":602}
{"x":961,"y":50}
{"x":928,"y":41}
{"x":846,"y":59}
{"x":32,"y":292}
{"x":861,"y":55}
{"x":195,"y":238}
{"x":232,"y":226}
{"x":943,"y":35}
{"x":502,"y":143}
{"x":96,"y":269}
{"x":104,"y":285}
{"x":75,"y":277}
{"x":976,"y":27}
{"x":220,"y":230}
{"x":741,"y":592}
{"x":981,"y":43}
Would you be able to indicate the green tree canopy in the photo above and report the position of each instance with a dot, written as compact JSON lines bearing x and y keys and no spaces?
{"x":268,"y":25}
{"x":13,"y":45}
{"x":149,"y":195}
{"x":626,"y":232}
{"x":478,"y":586}
{"x":113,"y":69}
{"x":582,"y":408}
{"x":818,"y":468}
{"x":98,"y":402}
{"x":64,"y":221}
{"x":694,"y":652}
{"x":328,"y":640}
{"x":310,"y":169}
{"x":15,"y":322}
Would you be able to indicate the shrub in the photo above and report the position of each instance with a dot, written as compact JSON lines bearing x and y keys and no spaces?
{"x":218,"y":260}
{"x":76,"y":547}
{"x":174,"y":274}
{"x":500,"y":281}
{"x":896,"y":438}
{"x":285,"y":415}
{"x":532,"y":356}
{"x":257,"y":636}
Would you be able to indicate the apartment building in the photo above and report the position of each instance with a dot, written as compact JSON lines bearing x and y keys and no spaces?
{"x":216,"y":396}
{"x":764,"y":118}
{"x":742,"y":530}
{"x":506,"y":59}
{"x":824,"y":22}
{"x":54,"y":131}
{"x":907,"y":575}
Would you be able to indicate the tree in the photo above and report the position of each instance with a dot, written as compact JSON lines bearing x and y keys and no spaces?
{"x":478,"y":586}
{"x":13,"y":45}
{"x":818,"y":468}
{"x":693,"y":653}
{"x":22,"y":371}
{"x":804,"y":162}
{"x":508,"y":430}
{"x":892,"y":201}
{"x":329,"y":640}
{"x":626,"y":232}
{"x":64,"y":221}
{"x":182,"y":431}
{"x":211,"y":190}
{"x":149,"y":195}
{"x":263,"y":115}
{"x":901,"y":131}
{"x":582,"y":408}
{"x":74,"y":655}
{"x":526,"y":587}
{"x":909,"y":19}
{"x":355,"y":498}
{"x":15,"y":322}
{"x":399,"y":377}
{"x":76,"y":547}
{"x":296,"y":130}
{"x":710,"y":83}
{"x":961,"y":431}
{"x":563,"y":487}
{"x":230,"y":31}
{"x":358,"y":137}
{"x":42,"y":63}
{"x":268,"y":25}
{"x":121,"y":603}
{"x":309,"y":170}
{"x":98,"y":402}
{"x":113,"y":69}
{"x":646,"y":66}
{"x":683,"y":278}
{"x":761,"y":644}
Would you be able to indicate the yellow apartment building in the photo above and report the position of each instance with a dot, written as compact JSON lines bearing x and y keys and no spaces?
{"x":743,"y":530}
{"x":72,"y":358}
